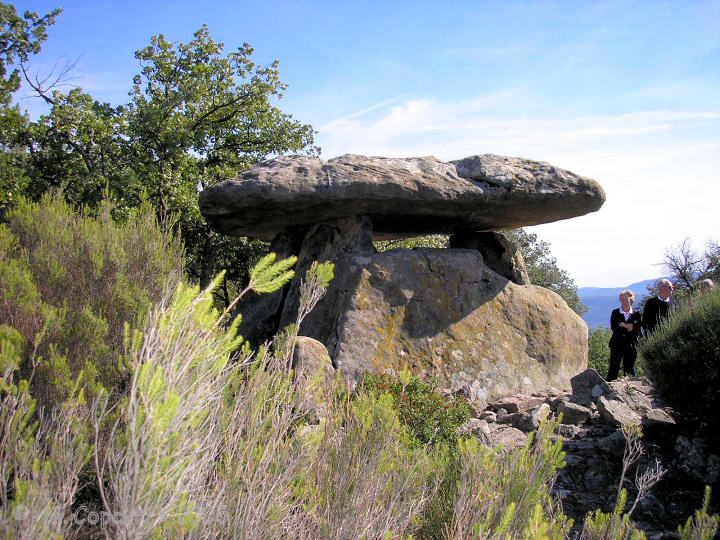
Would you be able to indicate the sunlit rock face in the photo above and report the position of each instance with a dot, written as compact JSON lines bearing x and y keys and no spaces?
{"x":443,"y":314}
{"x":402,"y":197}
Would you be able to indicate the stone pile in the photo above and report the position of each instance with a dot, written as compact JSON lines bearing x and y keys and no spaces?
{"x":594,"y":446}
{"x":465,"y":315}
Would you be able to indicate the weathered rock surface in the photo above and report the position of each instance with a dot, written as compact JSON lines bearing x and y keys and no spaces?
{"x":313,"y":374}
{"x":443,"y":314}
{"x":312,"y":364}
{"x":402,"y":197}
{"x":587,"y":386}
{"x":572,"y":413}
{"x":517,"y":403}
{"x":498,"y":253}
{"x":261,"y":312}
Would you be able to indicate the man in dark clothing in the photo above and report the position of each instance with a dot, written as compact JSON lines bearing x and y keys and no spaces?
{"x":657,"y":308}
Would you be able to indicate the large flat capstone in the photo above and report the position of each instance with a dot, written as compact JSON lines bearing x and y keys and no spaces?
{"x":402,"y":197}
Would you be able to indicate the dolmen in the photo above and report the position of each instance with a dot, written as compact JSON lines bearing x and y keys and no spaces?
{"x":467,"y":316}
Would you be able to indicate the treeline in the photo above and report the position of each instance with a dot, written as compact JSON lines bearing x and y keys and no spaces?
{"x":197,"y":114}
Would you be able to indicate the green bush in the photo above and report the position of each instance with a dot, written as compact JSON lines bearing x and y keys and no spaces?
{"x":431,"y":417}
{"x":68,"y":284}
{"x":506,"y":493}
{"x":598,"y":350}
{"x":682,"y":359}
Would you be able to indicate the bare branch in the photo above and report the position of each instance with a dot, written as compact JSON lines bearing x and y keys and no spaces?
{"x":56,"y":78}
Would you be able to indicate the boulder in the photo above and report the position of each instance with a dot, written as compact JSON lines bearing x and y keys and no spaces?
{"x":616,"y":412}
{"x":337,"y":242}
{"x":498,"y":253}
{"x":313,"y":373}
{"x":442,"y":314}
{"x":505,"y":436}
{"x":402,"y":197}
{"x":517,"y":403}
{"x":692,"y":457}
{"x":530,"y":420}
{"x":573,"y":413}
{"x":588,"y":386}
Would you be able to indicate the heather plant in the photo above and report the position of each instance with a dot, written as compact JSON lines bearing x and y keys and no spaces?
{"x":202,"y":443}
{"x":682,"y":359}
{"x":615,"y":525}
{"x":700,"y":526}
{"x":369,"y":477}
{"x":431,"y":419}
{"x":68,"y":284}
{"x":507,"y":493}
{"x":41,"y":456}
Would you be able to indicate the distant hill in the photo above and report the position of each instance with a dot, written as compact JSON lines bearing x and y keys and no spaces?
{"x":602,"y":300}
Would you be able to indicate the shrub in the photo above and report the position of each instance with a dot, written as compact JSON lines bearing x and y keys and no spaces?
{"x":700,"y":526}
{"x":431,"y":419}
{"x":68,"y":284}
{"x":430,"y":416}
{"x":372,"y":479}
{"x":682,"y":358}
{"x":506,"y":493}
{"x":41,"y":455}
{"x":598,"y":349}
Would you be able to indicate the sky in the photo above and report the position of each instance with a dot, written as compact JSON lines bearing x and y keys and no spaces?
{"x":624,"y":92}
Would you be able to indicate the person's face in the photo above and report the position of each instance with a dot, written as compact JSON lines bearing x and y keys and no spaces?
{"x":625,"y":301}
{"x":666,"y":291}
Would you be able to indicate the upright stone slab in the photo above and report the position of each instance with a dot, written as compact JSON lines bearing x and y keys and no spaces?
{"x":443,"y":314}
{"x":498,"y":253}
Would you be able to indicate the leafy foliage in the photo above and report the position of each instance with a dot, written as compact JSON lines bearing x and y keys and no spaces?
{"x":684,"y":346}
{"x":197,"y":115}
{"x":506,"y":494}
{"x":700,"y":526}
{"x":598,"y":351}
{"x":615,"y":525}
{"x":430,"y":417}
{"x":20,"y":38}
{"x":543,"y":269}
{"x":438,"y":241}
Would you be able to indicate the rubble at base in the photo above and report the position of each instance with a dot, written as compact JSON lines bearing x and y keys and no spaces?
{"x":594,"y":445}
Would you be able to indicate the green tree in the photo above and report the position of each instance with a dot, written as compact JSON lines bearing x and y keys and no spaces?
{"x":543,"y":269}
{"x":598,"y":349}
{"x":77,"y":147}
{"x":197,"y":115}
{"x":20,"y":38}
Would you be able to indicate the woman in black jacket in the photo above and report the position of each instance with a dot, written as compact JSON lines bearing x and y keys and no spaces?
{"x":625,"y":325}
